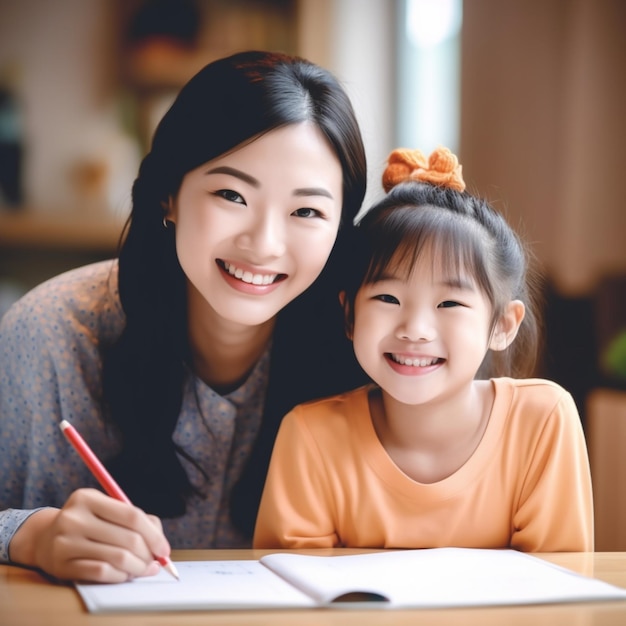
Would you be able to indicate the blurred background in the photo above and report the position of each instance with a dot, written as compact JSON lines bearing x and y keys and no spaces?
{"x":530,"y":93}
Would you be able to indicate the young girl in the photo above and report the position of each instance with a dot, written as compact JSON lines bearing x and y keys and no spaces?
{"x":432,"y":454}
{"x":177,"y":361}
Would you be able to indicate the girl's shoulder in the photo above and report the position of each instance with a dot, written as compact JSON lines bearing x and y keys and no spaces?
{"x":340,"y":411}
{"x":534,"y":400}
{"x":341,"y":402}
{"x":527,"y":389}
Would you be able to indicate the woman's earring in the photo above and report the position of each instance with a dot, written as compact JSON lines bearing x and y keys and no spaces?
{"x":165,"y":223}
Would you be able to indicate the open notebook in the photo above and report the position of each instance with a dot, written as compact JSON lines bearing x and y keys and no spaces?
{"x":429,"y":578}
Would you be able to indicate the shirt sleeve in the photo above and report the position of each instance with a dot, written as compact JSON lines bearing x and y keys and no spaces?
{"x":40,"y":384}
{"x":555,"y":512}
{"x":10,"y":521}
{"x":296,"y":506}
{"x":20,"y":387}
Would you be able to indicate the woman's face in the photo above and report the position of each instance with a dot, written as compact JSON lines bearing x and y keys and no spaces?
{"x":255,"y":227}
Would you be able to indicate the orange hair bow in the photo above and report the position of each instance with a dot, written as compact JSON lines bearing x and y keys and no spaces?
{"x":442,"y":168}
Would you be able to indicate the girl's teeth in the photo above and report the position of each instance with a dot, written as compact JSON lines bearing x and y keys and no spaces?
{"x":413,"y":362}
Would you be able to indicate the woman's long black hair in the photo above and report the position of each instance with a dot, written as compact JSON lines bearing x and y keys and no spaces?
{"x":229,"y":102}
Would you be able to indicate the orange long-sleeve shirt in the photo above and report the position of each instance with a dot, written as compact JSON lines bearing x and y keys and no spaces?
{"x":527,"y":485}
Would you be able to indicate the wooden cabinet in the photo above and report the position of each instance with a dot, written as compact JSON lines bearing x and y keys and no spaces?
{"x":35,"y":246}
{"x":160,"y":46}
{"x":606,"y":437}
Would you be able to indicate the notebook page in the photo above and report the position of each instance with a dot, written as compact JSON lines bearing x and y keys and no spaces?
{"x":441,"y":577}
{"x":202,"y":585}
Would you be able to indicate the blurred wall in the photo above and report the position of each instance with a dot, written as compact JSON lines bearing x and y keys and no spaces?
{"x":59,"y":55}
{"x":543,"y":128}
{"x":542,"y":106}
{"x":355,"y":40}
{"x":89,"y":102}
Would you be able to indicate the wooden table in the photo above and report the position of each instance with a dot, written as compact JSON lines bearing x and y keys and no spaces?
{"x":28,"y":599}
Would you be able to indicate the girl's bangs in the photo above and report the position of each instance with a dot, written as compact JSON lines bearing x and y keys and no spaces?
{"x":405,"y":235}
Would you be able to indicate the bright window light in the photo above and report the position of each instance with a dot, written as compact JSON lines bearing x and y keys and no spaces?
{"x":429,"y":74}
{"x":430,"y":22}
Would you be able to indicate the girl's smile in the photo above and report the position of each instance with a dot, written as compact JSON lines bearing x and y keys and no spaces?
{"x":412,"y":365}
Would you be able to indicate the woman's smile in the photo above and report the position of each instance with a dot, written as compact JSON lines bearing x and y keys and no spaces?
{"x":250,"y":277}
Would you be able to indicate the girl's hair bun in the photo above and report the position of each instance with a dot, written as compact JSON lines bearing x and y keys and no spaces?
{"x":442,"y":168}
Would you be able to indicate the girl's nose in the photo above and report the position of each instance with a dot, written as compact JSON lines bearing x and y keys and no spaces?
{"x":264,"y":238}
{"x":416,"y":327}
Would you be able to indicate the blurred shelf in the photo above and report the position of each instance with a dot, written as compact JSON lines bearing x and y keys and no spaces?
{"x":59,"y":230}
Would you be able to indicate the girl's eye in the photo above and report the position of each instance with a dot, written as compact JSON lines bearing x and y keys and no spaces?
{"x":385,"y":297}
{"x":446,"y":304}
{"x":230,"y":195}
{"x":307,"y":212}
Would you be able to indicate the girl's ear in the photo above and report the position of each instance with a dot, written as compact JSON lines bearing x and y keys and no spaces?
{"x":348,"y":315}
{"x":507,"y":326}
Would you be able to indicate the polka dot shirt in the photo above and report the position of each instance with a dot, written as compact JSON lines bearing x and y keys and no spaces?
{"x":51,"y":370}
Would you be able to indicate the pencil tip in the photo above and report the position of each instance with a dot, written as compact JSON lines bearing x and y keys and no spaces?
{"x":170,"y":567}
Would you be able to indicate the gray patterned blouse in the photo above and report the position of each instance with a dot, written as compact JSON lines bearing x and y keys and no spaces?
{"x":50,"y":370}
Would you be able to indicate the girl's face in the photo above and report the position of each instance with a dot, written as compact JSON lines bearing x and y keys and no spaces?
{"x":423,"y":337}
{"x":255,"y":227}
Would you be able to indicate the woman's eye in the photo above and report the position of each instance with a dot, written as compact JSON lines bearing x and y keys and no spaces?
{"x":230,"y":195}
{"x":385,"y":297}
{"x":307,"y":212}
{"x":446,"y":304}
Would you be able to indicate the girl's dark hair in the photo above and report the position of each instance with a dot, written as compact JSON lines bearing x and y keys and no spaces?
{"x":228,"y":103}
{"x":463,"y":232}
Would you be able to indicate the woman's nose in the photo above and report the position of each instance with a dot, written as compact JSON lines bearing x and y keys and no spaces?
{"x":264,"y":238}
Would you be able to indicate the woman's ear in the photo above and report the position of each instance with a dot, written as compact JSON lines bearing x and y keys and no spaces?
{"x":168,"y":210}
{"x":348,"y":315}
{"x":507,"y":326}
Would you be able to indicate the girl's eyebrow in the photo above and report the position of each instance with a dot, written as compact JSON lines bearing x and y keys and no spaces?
{"x":452,"y":282}
{"x":386,"y":277}
{"x":253,"y":182}
{"x":457,"y":282}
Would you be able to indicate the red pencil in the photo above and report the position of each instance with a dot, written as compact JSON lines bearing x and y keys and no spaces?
{"x":104,"y":478}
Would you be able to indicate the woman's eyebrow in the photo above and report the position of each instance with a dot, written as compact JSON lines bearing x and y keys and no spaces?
{"x":231,"y":171}
{"x":253,"y":182}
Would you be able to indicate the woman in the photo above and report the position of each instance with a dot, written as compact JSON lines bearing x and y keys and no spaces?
{"x":177,"y":361}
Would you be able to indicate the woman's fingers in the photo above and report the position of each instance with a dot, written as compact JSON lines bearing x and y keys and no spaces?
{"x":90,"y":561}
{"x":101,"y":571}
{"x":94,"y":537}
{"x":138,"y":532}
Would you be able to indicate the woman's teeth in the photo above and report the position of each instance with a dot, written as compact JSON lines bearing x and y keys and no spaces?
{"x":249,"y":277}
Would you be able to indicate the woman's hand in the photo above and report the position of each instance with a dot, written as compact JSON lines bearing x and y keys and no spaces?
{"x":92,"y":538}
